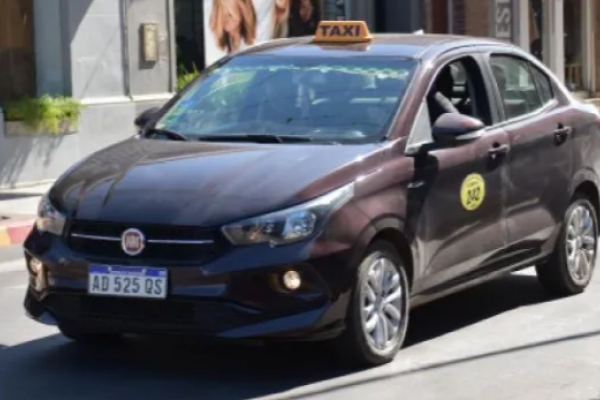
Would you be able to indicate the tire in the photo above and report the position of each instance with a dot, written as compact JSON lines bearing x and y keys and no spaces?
{"x":355,"y":344}
{"x":560,"y":275}
{"x":87,"y":336}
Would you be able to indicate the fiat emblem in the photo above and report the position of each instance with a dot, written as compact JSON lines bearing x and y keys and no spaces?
{"x":133,"y":242}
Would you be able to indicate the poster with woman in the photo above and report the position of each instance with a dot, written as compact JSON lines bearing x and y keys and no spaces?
{"x":233,"y":25}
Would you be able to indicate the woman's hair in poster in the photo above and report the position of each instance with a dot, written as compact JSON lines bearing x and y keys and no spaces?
{"x":247,"y":25}
{"x":299,"y":25}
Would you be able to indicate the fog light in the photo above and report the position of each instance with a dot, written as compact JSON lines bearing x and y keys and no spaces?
{"x":292,"y":280}
{"x":35,"y":266}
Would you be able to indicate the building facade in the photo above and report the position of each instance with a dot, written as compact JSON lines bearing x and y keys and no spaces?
{"x":89,"y":50}
{"x":561,"y":33}
{"x":120,"y":57}
{"x":387,"y":15}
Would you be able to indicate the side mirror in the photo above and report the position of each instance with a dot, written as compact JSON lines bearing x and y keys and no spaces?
{"x":456,"y":129}
{"x":145,"y":117}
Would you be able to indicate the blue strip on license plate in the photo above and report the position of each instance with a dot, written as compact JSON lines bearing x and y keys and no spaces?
{"x":128,"y":271}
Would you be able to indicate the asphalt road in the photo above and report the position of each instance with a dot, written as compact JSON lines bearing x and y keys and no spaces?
{"x":503,"y":340}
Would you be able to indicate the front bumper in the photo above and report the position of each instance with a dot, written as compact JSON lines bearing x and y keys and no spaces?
{"x":179,"y":316}
{"x":225,"y":298}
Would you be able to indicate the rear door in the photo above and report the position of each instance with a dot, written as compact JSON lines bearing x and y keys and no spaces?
{"x":540,"y":165}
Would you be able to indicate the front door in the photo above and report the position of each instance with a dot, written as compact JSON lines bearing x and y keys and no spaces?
{"x":458,"y":194}
{"x":460,"y":228}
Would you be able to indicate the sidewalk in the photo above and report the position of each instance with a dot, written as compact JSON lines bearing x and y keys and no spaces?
{"x":17,"y":212}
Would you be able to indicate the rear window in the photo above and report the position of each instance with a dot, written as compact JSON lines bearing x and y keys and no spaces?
{"x":329,"y":98}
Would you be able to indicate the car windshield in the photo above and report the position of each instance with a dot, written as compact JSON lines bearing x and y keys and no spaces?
{"x":328,"y":99}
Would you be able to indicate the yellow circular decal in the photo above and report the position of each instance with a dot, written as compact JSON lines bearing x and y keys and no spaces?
{"x":472,"y":192}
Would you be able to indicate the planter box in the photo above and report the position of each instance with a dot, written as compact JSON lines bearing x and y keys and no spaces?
{"x":18,"y":129}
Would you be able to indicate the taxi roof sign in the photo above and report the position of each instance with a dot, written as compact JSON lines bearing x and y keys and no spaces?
{"x":342,"y":32}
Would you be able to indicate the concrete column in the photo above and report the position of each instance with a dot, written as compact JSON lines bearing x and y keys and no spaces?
{"x":588,"y":35}
{"x":522,"y":11}
{"x":557,"y":38}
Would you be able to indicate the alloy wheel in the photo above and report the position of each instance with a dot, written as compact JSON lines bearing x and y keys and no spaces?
{"x":581,"y":244}
{"x":382,"y":305}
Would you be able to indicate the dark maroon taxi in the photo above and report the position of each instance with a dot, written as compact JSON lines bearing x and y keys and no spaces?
{"x":318,"y":188}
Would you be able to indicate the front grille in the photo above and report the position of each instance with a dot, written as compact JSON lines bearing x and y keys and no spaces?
{"x":201,"y":316}
{"x":94,"y":228}
{"x":101,"y":241}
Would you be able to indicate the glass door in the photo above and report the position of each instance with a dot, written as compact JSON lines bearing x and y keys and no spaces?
{"x":574,"y":44}
{"x":536,"y":29}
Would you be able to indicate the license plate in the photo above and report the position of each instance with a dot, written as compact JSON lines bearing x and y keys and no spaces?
{"x":106,"y":280}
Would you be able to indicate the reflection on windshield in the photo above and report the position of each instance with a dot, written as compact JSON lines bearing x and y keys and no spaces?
{"x":328,"y":99}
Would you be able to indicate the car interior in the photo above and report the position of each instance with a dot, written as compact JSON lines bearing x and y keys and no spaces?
{"x":364,"y":98}
{"x":366,"y":102}
{"x":462,"y":84}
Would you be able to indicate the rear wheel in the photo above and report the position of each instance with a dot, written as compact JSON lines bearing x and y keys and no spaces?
{"x":377,"y":316}
{"x":88,"y":336}
{"x":572,"y":263}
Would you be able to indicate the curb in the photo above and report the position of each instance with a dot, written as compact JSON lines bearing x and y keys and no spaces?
{"x":15,"y":233}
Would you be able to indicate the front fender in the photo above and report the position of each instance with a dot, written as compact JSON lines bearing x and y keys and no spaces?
{"x":392,"y":228}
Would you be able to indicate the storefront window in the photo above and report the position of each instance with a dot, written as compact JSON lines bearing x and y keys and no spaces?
{"x":189,"y":35}
{"x":536,"y":28}
{"x":17,"y":54}
{"x":573,"y":19}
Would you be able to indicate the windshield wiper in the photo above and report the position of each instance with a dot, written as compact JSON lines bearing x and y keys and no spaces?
{"x":256,"y":137}
{"x":168,"y":133}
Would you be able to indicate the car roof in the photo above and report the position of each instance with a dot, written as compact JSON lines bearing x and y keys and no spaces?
{"x":416,"y":46}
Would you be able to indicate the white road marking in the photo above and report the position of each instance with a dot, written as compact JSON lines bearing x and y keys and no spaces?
{"x":18,"y":287}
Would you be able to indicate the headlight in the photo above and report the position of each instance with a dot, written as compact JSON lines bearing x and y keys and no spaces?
{"x":290,"y":225}
{"x":48,"y":218}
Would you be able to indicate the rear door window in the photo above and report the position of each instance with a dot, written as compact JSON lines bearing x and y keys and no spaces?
{"x":543,"y":84}
{"x":518,"y":87}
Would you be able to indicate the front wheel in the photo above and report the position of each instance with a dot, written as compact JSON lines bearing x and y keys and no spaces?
{"x":377,"y":316}
{"x":572,"y":263}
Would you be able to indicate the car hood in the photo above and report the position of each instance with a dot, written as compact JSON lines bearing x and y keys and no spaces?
{"x":203,"y":184}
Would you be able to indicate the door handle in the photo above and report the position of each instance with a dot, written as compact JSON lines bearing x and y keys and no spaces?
{"x":562,"y":133}
{"x":498,"y":150}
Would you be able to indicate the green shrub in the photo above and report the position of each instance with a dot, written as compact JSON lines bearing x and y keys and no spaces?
{"x":184,"y":77}
{"x":45,"y":113}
